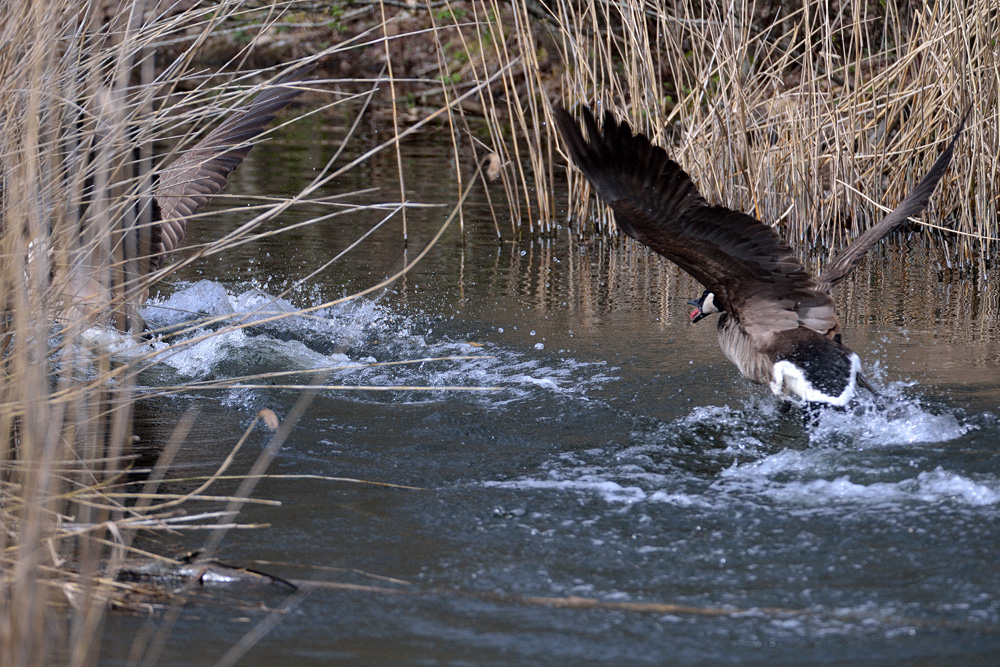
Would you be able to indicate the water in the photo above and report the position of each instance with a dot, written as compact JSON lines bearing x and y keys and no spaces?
{"x":616,"y":458}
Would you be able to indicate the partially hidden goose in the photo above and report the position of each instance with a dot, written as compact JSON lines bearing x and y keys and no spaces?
{"x":185,"y":186}
{"x":181,"y":190}
{"x":778,"y":323}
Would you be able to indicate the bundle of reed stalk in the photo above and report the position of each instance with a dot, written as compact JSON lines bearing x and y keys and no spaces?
{"x":812,"y":116}
{"x":87,"y":95}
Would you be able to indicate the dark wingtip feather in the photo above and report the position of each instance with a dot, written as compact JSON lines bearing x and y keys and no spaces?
{"x":913,"y":204}
{"x":583,"y":153}
{"x":570,"y":132}
{"x":607,"y":156}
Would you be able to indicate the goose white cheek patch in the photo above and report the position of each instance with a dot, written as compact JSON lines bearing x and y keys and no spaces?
{"x":790,"y":381}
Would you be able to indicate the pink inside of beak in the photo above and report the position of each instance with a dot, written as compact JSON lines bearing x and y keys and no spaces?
{"x":695,"y":313}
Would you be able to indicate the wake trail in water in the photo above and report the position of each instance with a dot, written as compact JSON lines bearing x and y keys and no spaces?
{"x":719,"y":458}
{"x":362,"y":342}
{"x":704,"y":459}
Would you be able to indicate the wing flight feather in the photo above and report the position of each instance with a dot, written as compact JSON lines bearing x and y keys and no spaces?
{"x":186,"y":185}
{"x":753,"y":273}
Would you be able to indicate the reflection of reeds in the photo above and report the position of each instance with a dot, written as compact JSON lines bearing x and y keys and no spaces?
{"x":595,"y":277}
{"x":804,"y":115}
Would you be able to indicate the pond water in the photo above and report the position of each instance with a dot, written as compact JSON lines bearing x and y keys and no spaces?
{"x":617,"y":460}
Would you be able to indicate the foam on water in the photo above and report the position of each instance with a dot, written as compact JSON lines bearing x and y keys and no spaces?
{"x":816,"y":478}
{"x":834,"y":460}
{"x":273,"y":338}
{"x":893,"y":419}
{"x":203,"y":299}
{"x":122,"y":348}
{"x":934,"y":486}
{"x":834,"y":469}
{"x":610,"y":491}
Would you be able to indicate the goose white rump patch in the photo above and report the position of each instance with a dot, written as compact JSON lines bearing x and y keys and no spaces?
{"x":790,"y":381}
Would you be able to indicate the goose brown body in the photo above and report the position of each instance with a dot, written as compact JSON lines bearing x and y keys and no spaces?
{"x":778,"y":324}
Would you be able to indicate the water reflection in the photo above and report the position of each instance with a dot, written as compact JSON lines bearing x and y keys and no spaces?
{"x":621,"y":458}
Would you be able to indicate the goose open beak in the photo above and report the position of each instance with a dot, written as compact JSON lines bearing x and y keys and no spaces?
{"x":696,"y":313}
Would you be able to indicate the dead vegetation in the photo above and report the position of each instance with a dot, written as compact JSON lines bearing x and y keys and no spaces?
{"x":86,"y":97}
{"x":817,"y":120}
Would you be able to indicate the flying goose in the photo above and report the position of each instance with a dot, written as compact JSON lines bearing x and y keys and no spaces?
{"x":778,"y":324}
{"x":181,"y":190}
{"x":185,"y":186}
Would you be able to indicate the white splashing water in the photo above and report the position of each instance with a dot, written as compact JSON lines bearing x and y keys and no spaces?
{"x":934,"y":486}
{"x":895,"y":419}
{"x":821,"y":474}
{"x":355,"y":333}
{"x":827,"y":472}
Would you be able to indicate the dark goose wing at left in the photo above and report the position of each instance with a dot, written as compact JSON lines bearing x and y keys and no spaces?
{"x":185,"y":186}
{"x":753,"y":273}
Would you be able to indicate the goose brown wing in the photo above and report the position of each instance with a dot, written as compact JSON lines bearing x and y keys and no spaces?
{"x":913,"y":204}
{"x":186,"y":185}
{"x":753,"y":273}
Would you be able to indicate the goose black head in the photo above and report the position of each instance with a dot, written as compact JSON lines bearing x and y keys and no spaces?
{"x":704,"y":306}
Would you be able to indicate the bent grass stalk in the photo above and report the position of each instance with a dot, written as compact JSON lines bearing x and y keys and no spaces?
{"x":73,"y":130}
{"x":789,"y":112}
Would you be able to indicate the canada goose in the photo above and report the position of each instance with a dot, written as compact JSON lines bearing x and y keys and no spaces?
{"x":778,"y":324}
{"x":185,"y":186}
{"x":181,"y":190}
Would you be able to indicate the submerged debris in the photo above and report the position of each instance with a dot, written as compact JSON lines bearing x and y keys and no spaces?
{"x":194,"y":571}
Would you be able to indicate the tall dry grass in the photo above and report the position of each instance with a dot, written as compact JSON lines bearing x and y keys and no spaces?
{"x":808,"y":115}
{"x":82,"y":105}
{"x":814,"y":116}
{"x":86,"y":95}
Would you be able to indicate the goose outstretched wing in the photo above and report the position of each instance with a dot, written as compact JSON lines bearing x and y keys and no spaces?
{"x":753,"y":273}
{"x":185,"y":186}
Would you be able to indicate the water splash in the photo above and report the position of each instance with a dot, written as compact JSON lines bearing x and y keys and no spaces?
{"x":718,"y":455}
{"x":250,"y":331}
{"x":894,"y":418}
{"x":769,"y":478}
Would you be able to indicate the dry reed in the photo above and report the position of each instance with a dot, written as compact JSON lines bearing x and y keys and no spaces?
{"x":85,"y":98}
{"x":814,"y":116}
{"x":81,"y":108}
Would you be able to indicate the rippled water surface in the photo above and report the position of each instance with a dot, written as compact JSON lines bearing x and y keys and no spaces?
{"x":616,"y":494}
